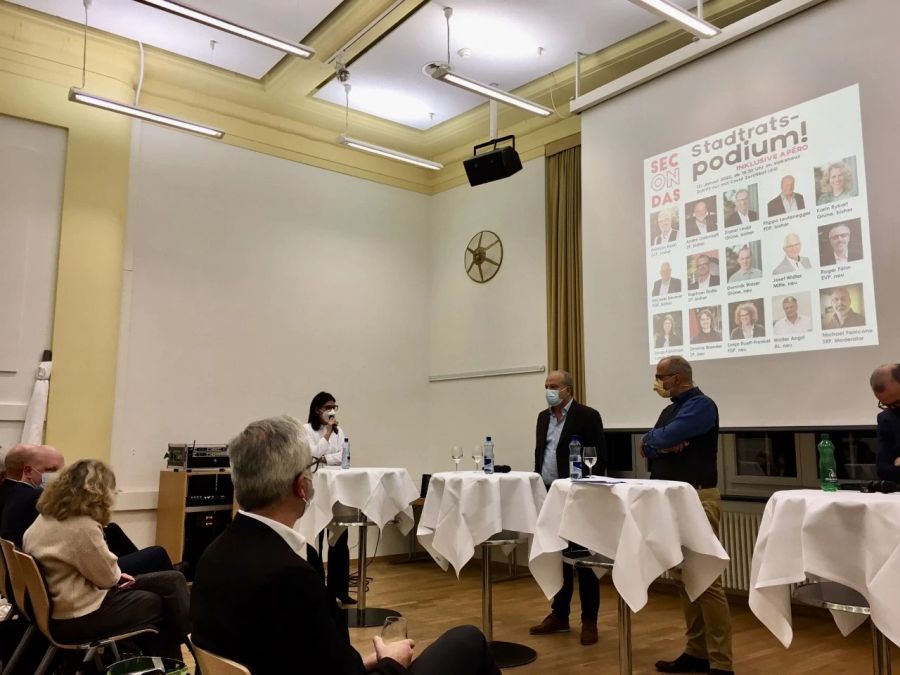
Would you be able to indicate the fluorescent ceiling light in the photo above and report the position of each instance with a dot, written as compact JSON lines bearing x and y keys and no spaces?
{"x":388,"y":152}
{"x":79,"y":96}
{"x":209,"y":20}
{"x":673,"y":12}
{"x":443,"y":73}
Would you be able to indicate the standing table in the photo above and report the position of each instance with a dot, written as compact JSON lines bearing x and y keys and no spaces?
{"x":644,"y":527}
{"x":465,"y":509}
{"x":380,"y":496}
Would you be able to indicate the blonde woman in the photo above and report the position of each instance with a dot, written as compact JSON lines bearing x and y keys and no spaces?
{"x":836,"y":184}
{"x":90,"y":596}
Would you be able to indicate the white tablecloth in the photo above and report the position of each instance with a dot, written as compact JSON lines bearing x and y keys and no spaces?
{"x":381,"y":494}
{"x":464,"y":508}
{"x":848,"y":537}
{"x":645,"y":526}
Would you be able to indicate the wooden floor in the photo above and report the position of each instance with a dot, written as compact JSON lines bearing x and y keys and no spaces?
{"x":433,"y":601}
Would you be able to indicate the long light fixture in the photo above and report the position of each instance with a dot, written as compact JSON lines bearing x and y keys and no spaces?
{"x":390,"y":153}
{"x":229,"y":27}
{"x":78,"y":96}
{"x":673,"y":12}
{"x":442,"y":72}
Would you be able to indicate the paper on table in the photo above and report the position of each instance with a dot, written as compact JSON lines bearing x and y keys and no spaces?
{"x":597,"y":480}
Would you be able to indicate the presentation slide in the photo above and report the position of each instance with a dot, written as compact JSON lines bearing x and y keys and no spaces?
{"x":757,"y":237}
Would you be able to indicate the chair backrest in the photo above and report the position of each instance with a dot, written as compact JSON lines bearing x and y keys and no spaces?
{"x":5,"y":587}
{"x":37,"y":593}
{"x":16,"y":579}
{"x":211,"y":664}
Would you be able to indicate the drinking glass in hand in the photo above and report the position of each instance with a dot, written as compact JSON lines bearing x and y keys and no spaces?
{"x":394,"y":629}
{"x":589,"y":455}
{"x":457,"y":454}
{"x":477,"y":455}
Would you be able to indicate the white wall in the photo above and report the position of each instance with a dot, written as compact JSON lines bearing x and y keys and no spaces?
{"x":499,"y":324}
{"x":32,"y":165}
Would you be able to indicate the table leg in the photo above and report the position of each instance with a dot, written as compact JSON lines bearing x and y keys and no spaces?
{"x":624,"y":629}
{"x":506,"y":654}
{"x":881,"y":652}
{"x":362,"y":616}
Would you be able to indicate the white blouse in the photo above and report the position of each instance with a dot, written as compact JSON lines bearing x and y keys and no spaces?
{"x":332,"y":449}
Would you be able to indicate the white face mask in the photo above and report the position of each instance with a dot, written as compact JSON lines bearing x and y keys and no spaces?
{"x":553,"y":397}
{"x":47,"y":477}
{"x":327,"y":415}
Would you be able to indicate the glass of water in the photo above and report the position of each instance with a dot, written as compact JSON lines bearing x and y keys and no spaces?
{"x":456,"y":454}
{"x":477,"y":455}
{"x":589,"y":454}
{"x":394,"y":629}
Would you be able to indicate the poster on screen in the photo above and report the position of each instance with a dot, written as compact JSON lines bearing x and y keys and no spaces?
{"x":757,"y":237}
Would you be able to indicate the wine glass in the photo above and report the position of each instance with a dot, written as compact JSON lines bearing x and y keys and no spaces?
{"x":456,"y":453}
{"x":394,"y":629}
{"x":589,"y":454}
{"x":477,"y":455}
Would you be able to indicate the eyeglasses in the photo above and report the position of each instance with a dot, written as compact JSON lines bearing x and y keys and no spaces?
{"x":314,"y":465}
{"x":661,"y":376}
{"x":333,"y":408}
{"x":889,"y":406}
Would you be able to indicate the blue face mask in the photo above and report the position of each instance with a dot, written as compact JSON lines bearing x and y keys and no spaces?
{"x":553,"y":397}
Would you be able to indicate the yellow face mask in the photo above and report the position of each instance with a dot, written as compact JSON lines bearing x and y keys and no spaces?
{"x":661,"y":390}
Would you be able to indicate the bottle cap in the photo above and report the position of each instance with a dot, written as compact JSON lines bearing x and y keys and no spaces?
{"x":488,"y":439}
{"x":575,"y":437}
{"x":825,"y":437}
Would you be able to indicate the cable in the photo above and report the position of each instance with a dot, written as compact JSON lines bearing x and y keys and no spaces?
{"x":140,"y":84}
{"x":448,"y":12}
{"x":86,"y":3}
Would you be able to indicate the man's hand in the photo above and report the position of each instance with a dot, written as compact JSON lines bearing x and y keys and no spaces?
{"x":641,"y":449}
{"x":897,"y":461}
{"x":125,"y":581}
{"x":678,"y":447}
{"x":401,"y":651}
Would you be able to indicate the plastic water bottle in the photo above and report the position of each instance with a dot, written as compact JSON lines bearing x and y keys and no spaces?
{"x":575,"y":458}
{"x":488,"y":455}
{"x":345,"y":454}
{"x":827,"y":466}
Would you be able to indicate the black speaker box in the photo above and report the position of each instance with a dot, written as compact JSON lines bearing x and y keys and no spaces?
{"x":492,"y":165}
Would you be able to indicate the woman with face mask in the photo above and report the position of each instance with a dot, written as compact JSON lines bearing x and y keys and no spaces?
{"x":326,"y":441}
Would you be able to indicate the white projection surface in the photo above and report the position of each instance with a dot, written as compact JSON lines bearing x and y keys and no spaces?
{"x":840,"y":110}
{"x":758,"y":237}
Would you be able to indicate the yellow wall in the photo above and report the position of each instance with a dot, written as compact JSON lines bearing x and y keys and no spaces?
{"x":88,"y":296}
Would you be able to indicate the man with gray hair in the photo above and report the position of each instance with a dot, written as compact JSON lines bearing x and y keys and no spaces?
{"x":683,"y":447}
{"x":563,"y":420}
{"x":257,"y":601}
{"x":885,"y":382}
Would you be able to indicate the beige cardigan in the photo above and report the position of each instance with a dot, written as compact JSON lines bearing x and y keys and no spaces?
{"x":78,"y":566}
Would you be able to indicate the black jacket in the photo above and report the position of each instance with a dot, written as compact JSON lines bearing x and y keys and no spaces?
{"x":582,"y":421}
{"x":257,"y":602}
{"x":19,"y":510}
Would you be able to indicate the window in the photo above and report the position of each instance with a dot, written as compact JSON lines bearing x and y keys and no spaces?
{"x":854,"y":454}
{"x":761,"y":453}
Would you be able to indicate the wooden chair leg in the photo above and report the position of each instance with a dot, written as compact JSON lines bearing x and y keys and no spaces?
{"x":46,"y":661}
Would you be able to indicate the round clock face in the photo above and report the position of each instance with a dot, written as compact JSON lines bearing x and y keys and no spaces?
{"x":483,"y":256}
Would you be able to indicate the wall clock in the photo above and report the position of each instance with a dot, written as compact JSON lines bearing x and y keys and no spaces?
{"x":483,"y":257}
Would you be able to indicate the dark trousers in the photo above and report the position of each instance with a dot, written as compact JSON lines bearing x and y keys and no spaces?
{"x":339,"y":567}
{"x":588,"y":592}
{"x":460,"y":651}
{"x":132,"y":560}
{"x":159,"y":600}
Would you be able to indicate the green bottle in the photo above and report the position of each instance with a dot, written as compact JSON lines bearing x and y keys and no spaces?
{"x":827,"y":467}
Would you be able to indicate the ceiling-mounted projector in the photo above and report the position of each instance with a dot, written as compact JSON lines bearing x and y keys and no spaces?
{"x":495,"y":164}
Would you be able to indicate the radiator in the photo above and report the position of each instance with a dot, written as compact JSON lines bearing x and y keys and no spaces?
{"x":738,"y":534}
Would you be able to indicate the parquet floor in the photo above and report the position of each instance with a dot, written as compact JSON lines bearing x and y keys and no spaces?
{"x":433,"y":601}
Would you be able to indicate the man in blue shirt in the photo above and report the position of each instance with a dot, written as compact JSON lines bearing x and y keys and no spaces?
{"x":683,"y":446}
{"x":557,"y":424}
{"x":885,"y":383}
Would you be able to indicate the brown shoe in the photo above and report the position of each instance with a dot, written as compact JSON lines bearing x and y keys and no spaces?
{"x":552,"y":624}
{"x":589,"y":633}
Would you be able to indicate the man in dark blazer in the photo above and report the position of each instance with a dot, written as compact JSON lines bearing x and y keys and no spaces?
{"x":666,"y":282}
{"x":557,"y":425}
{"x":742,"y":212}
{"x":787,"y":201}
{"x":885,"y":382}
{"x":702,"y":277}
{"x":257,"y":601}
{"x":701,"y":221}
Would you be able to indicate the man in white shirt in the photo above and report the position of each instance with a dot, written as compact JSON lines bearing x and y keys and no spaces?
{"x":742,"y":213}
{"x":787,"y":201}
{"x":841,"y":253}
{"x":666,"y":285}
{"x":746,"y":270}
{"x":664,"y":223}
{"x":700,"y":221}
{"x":793,"y":322}
{"x":793,"y":261}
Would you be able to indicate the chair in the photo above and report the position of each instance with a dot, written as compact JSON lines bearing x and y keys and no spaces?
{"x":212,"y":664}
{"x":15,"y":591}
{"x":506,"y":654}
{"x":623,"y":610}
{"x":39,"y":599}
{"x":835,"y":596}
